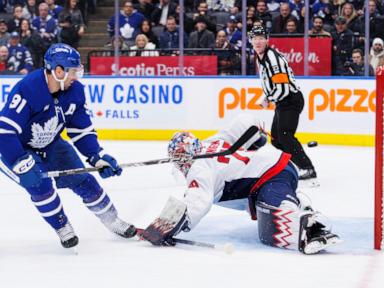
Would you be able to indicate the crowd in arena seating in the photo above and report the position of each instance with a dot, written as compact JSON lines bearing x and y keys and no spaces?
{"x":29,"y":27}
{"x":145,"y":25}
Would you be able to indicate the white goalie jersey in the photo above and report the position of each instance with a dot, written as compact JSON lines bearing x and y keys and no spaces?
{"x":230,"y":177}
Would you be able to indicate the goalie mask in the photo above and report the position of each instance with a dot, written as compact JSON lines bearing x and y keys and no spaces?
{"x":183,"y":146}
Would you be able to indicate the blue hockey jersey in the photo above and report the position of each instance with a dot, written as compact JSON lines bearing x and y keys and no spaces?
{"x":33,"y":118}
{"x":20,"y":57}
{"x":55,"y":11}
{"x":128,"y":25}
{"x":49,"y":25}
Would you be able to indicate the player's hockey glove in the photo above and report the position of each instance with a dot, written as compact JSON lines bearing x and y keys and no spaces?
{"x":171,"y":221}
{"x":28,"y":171}
{"x":107,"y":164}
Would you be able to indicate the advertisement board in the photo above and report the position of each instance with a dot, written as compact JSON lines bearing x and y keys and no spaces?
{"x":319,"y":57}
{"x":337,"y":111}
{"x":154,"y":66}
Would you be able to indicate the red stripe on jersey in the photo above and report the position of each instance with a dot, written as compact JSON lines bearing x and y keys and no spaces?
{"x":273,"y":171}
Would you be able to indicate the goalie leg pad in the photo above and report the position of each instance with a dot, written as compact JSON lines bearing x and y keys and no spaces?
{"x":290,"y":228}
{"x":279,"y":227}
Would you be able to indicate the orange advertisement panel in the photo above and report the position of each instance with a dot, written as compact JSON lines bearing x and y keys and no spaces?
{"x":319,"y":57}
{"x":154,"y":66}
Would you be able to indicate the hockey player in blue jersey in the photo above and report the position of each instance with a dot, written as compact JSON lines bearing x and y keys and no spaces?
{"x":38,"y":109}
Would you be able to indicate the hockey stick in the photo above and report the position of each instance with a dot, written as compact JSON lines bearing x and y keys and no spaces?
{"x":240,"y":142}
{"x":227,"y":248}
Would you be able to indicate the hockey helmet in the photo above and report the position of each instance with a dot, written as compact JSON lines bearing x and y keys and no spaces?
{"x":183,"y":146}
{"x":257,"y":31}
{"x":67,"y":58}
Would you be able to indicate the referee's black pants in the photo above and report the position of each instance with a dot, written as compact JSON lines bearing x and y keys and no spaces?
{"x":284,"y":125}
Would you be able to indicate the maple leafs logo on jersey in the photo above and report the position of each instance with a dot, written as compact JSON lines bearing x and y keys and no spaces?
{"x":43,"y":136}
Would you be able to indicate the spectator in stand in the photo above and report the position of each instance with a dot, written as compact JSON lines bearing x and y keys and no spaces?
{"x":220,"y":5}
{"x":264,"y":15}
{"x":169,"y":38}
{"x":359,"y":6}
{"x":45,"y":25}
{"x":143,"y":47}
{"x":30,"y":10}
{"x":291,"y":27}
{"x":377,"y":51}
{"x":14,"y":23}
{"x":274,"y":5}
{"x":129,"y":23}
{"x":72,"y":24}
{"x":19,"y":55}
{"x":317,"y":28}
{"x":188,"y":22}
{"x":322,"y":8}
{"x":54,"y":10}
{"x":5,"y":66}
{"x":342,"y":41}
{"x":239,"y":4}
{"x":122,"y":46}
{"x":295,"y":6}
{"x":233,"y":33}
{"x":280,"y":22}
{"x":4,"y":35}
{"x":335,"y":6}
{"x":376,"y":22}
{"x":356,"y":67}
{"x":145,"y":7}
{"x":251,"y":13}
{"x":203,"y":12}
{"x":32,"y":40}
{"x":202,"y":37}
{"x":249,"y":23}
{"x":162,"y":11}
{"x":146,"y":29}
{"x":353,"y":21}
{"x":226,"y":54}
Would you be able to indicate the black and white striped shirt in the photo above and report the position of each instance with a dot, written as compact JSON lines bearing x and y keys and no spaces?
{"x":276,"y":76}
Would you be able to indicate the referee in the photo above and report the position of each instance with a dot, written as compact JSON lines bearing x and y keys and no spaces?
{"x":280,"y":87}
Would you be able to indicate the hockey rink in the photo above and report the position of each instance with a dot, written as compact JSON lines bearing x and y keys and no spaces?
{"x":31,"y":255}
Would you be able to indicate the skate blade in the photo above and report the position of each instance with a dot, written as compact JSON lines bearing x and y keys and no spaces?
{"x":317,"y":246}
{"x":309,"y":183}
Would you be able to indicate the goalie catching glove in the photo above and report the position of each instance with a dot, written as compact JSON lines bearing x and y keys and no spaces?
{"x":106,"y":163}
{"x":171,"y":221}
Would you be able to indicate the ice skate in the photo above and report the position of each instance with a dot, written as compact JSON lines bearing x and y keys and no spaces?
{"x":121,"y":228}
{"x":308,"y":178}
{"x":67,"y":236}
{"x":314,"y":236}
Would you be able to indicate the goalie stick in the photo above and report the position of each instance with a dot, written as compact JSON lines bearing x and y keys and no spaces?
{"x":240,"y":142}
{"x":227,"y":248}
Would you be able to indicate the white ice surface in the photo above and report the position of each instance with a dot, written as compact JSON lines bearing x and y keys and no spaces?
{"x":31,"y":256}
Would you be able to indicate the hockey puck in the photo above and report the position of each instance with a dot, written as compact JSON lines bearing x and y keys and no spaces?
{"x":312,"y":144}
